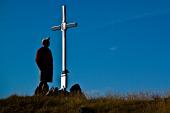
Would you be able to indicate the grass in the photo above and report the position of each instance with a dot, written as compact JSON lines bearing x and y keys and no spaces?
{"x":72,"y":104}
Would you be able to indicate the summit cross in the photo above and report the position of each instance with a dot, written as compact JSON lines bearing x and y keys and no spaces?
{"x":63,"y":27}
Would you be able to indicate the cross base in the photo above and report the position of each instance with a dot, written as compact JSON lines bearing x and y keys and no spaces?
{"x":64,"y":80}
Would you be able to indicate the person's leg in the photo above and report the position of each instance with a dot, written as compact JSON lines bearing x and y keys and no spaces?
{"x":45,"y":88}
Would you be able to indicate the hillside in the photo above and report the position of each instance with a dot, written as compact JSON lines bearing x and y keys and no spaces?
{"x":70,"y":104}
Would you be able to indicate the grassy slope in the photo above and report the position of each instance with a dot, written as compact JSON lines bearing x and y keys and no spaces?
{"x":35,"y":104}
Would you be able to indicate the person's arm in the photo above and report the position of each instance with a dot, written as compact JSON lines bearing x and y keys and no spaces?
{"x":38,"y":60}
{"x":51,"y":58}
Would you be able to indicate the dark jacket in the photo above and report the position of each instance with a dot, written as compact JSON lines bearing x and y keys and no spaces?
{"x":44,"y":61}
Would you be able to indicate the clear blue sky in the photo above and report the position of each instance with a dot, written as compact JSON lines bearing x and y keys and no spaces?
{"x":119,"y":45}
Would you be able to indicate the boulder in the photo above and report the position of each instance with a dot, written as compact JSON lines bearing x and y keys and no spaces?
{"x":75,"y":89}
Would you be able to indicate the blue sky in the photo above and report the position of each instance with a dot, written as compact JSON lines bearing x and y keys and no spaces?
{"x":119,"y":46}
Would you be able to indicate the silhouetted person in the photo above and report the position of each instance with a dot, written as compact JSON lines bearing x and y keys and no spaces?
{"x":44,"y":62}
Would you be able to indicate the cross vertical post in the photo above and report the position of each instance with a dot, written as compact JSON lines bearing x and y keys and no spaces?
{"x":63,"y":27}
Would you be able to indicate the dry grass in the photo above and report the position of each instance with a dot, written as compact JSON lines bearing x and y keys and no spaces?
{"x":70,"y":104}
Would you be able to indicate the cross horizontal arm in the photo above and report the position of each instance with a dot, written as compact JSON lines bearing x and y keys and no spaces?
{"x":54,"y":28}
{"x":70,"y":25}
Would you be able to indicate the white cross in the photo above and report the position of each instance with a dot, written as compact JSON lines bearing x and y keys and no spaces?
{"x":63,"y":27}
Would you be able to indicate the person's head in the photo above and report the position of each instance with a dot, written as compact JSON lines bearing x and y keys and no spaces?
{"x":46,"y":42}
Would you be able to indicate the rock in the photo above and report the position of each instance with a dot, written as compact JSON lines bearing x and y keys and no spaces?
{"x":52,"y":92}
{"x":63,"y":93}
{"x":75,"y":89}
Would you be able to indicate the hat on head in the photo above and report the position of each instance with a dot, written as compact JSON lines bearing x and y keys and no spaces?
{"x":45,"y":41}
